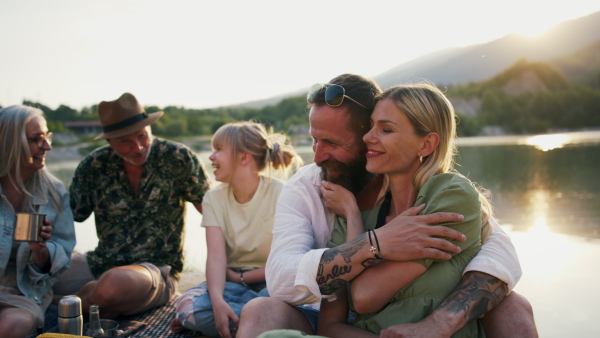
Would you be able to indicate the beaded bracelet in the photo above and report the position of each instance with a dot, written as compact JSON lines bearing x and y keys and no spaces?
{"x":242,"y":279}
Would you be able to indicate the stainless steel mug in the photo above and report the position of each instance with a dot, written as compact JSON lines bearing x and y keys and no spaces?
{"x":27,"y":227}
{"x":110,"y":327}
{"x":70,"y":320}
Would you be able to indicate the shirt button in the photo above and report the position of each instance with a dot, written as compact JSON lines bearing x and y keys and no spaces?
{"x":427,"y":261}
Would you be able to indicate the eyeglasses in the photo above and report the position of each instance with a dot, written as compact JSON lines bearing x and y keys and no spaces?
{"x":42,"y":139}
{"x":334,"y":94}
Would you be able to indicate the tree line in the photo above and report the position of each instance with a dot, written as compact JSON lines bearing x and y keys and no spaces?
{"x":543,"y":101}
{"x":549,"y":102}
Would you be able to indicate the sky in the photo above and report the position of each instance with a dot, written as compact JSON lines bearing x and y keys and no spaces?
{"x":204,"y":54}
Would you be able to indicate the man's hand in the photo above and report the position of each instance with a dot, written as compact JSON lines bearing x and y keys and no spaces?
{"x":408,"y":236}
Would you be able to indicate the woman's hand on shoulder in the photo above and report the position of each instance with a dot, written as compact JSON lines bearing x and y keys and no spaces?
{"x":339,"y":199}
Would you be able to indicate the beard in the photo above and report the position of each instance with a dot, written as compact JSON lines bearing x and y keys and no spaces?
{"x":134,"y":162}
{"x":354,"y":175}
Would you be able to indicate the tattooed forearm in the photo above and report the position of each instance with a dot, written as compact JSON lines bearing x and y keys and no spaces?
{"x":348,"y":250}
{"x":330,"y":271}
{"x":477,"y":293}
{"x":330,"y":288}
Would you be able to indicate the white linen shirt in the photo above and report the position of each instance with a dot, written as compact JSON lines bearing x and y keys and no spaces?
{"x":303,"y":226}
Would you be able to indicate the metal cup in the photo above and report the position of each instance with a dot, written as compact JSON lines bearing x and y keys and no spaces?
{"x":28,"y":226}
{"x":110,"y":327}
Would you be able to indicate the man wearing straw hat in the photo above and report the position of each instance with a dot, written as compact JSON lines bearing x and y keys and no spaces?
{"x":137,"y":187}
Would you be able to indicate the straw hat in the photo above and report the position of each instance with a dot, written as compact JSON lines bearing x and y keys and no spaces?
{"x":123,"y":116}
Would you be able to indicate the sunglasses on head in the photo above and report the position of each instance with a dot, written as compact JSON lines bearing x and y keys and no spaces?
{"x":334,"y":94}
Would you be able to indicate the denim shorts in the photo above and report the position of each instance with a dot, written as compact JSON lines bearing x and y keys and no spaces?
{"x":194,"y":308}
{"x":312,"y":315}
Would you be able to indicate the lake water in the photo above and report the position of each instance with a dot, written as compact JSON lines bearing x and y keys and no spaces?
{"x":545,"y":193}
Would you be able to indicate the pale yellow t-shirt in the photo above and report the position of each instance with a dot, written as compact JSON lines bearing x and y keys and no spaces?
{"x":247,"y":227}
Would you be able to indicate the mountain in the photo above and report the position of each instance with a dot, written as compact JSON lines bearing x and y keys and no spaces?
{"x":480,"y":62}
{"x":573,"y":47}
{"x":527,"y":98}
{"x":581,"y":67}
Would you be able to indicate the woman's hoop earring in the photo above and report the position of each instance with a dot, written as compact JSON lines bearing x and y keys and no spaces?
{"x":421,"y":159}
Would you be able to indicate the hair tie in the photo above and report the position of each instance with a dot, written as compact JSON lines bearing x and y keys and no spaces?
{"x":273,"y":152}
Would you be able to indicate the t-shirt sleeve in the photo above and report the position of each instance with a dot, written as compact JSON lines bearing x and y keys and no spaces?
{"x":209,"y":217}
{"x":498,"y":257}
{"x":453,"y":193}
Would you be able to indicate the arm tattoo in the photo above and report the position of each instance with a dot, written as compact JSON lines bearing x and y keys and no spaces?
{"x":346,"y":250}
{"x":330,"y":288}
{"x":477,"y":293}
{"x":328,"y":274}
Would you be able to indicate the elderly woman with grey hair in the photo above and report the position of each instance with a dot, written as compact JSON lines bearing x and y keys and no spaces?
{"x":29,"y":269}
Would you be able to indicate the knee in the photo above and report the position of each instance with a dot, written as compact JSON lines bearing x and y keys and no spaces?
{"x":519,"y":304}
{"x":106,"y":291}
{"x":514,"y":306}
{"x":17,"y":323}
{"x":27,"y":322}
{"x":513,"y":317}
{"x":254,"y":311}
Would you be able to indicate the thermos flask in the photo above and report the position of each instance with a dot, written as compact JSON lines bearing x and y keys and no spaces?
{"x":70,"y":320}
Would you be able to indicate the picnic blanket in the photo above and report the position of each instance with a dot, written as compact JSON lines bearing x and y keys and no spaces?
{"x":152,"y":323}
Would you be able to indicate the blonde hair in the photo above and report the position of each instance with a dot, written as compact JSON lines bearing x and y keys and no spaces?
{"x":271,"y":151}
{"x":14,"y":147}
{"x":429,"y":111}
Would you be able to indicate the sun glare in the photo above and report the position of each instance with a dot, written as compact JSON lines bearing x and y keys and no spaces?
{"x":533,"y":30}
{"x":532,"y":26}
{"x":548,"y":142}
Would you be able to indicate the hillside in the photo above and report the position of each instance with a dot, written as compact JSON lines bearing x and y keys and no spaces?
{"x":480,"y":62}
{"x":529,"y":97}
{"x":582,"y":66}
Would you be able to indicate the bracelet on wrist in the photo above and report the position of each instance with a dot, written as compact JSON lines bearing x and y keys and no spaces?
{"x":373,"y":249}
{"x":379,"y":255}
{"x":242,"y":279}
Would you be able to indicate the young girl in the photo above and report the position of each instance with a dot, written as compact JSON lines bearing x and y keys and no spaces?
{"x":238,"y":217}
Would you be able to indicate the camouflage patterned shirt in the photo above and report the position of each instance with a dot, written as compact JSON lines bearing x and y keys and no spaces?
{"x":149,"y":226}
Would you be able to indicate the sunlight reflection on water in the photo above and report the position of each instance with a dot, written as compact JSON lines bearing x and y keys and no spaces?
{"x":548,"y":142}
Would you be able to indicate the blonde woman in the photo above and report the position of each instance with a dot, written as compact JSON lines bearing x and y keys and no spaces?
{"x":411,"y":142}
{"x":238,"y":217}
{"x":29,"y":269}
